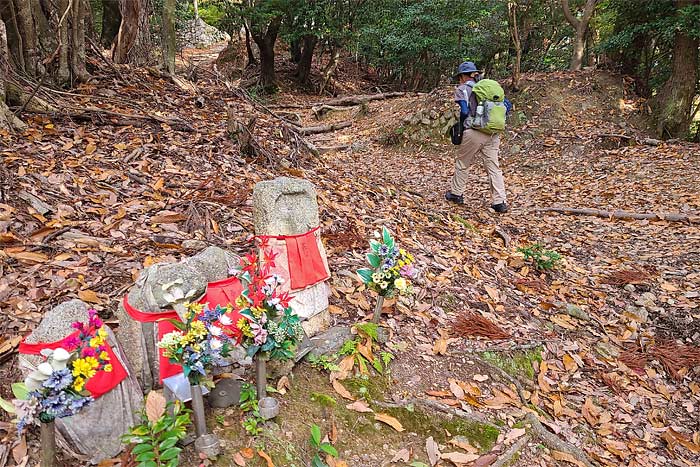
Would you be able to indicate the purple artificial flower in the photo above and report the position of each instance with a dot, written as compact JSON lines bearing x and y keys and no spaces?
{"x":78,"y":403}
{"x":95,"y":321}
{"x":409,"y":271}
{"x":259,"y":334}
{"x":88,"y":352}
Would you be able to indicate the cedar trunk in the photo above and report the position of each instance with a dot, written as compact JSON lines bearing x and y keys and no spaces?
{"x":133,"y":33}
{"x":672,"y":106}
{"x":266,"y":44}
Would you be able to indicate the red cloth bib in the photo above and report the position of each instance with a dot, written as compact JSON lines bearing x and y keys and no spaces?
{"x":102,"y":382}
{"x":223,"y":293}
{"x":306,"y":265}
{"x":167,"y":368}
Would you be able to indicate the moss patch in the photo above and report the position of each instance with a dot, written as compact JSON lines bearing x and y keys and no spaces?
{"x":516,"y":364}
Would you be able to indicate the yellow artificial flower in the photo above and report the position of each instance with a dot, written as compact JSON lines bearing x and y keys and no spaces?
{"x":104,"y":356}
{"x":196,"y":308}
{"x":198,"y":328}
{"x":401,"y":284}
{"x":84,"y":367}
{"x":241,"y":302}
{"x":102,"y":333}
{"x":257,"y":312}
{"x":78,"y":383}
{"x":97,"y":341}
{"x":108,"y":367}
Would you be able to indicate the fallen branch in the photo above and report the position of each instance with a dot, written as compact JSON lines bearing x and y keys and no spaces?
{"x":357,"y":100}
{"x":435,"y":405}
{"x":671,"y":217}
{"x":320,"y":110}
{"x":313,"y":130}
{"x":498,"y":230}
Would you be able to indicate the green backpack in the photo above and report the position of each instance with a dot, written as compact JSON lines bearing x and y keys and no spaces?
{"x":490,"y":115}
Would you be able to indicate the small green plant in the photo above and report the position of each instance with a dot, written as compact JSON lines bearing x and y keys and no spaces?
{"x":362,"y":348}
{"x":248,"y":399}
{"x":161,"y":427}
{"x":248,"y":402}
{"x":544,"y":259}
{"x":320,"y":447}
{"x":324,"y":362}
{"x":252,"y":424}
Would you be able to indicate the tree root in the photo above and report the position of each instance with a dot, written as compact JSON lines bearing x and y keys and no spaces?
{"x":671,"y":217}
{"x":435,"y":405}
{"x":555,"y":443}
{"x":507,"y":458}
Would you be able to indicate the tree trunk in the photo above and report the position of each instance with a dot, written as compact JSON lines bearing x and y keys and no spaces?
{"x":266,"y":45}
{"x":249,"y":47}
{"x":306,"y":58}
{"x":111,"y":19}
{"x":672,"y":105}
{"x":133,"y":36}
{"x":13,"y":35}
{"x":330,"y":68}
{"x":295,"y":50}
{"x":195,"y":5}
{"x":169,"y":38}
{"x":580,"y":27}
{"x":28,"y":33}
{"x":515,"y":35}
{"x":63,"y":56}
{"x":80,"y":73}
{"x":7,"y":118}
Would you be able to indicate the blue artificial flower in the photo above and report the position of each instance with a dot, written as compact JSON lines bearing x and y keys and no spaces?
{"x":383,"y":250}
{"x":59,"y":380}
{"x":395,"y":252}
{"x":55,"y":405}
{"x":209,"y":316}
{"x":78,"y":403}
{"x":388,"y":264}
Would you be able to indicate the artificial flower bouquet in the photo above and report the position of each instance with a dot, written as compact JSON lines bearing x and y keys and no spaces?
{"x":202,"y":340}
{"x":56,"y":388}
{"x":268,"y":323}
{"x":392,"y":268}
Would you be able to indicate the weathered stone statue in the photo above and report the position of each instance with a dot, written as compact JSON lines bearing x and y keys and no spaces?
{"x":156,"y":293}
{"x":94,"y":432}
{"x":285,"y":213}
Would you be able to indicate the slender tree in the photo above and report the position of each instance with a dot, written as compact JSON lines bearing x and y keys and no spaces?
{"x":580,"y":26}
{"x":169,"y":37}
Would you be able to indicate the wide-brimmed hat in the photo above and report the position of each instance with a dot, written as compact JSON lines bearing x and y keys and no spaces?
{"x":466,"y":67}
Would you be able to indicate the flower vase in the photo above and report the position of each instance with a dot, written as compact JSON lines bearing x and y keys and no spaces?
{"x":260,"y":376}
{"x":200,"y":421}
{"x":48,"y":444}
{"x":378,"y":309}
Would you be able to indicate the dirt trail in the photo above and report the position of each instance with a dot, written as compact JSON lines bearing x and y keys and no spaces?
{"x":571,"y":331}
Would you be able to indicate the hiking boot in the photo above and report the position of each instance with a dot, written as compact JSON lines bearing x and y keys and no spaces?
{"x":459,"y":199}
{"x":500,"y":208}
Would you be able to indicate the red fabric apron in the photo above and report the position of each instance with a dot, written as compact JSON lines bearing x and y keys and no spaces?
{"x":305,"y":264}
{"x":167,"y":368}
{"x":102,"y":382}
{"x":224,"y":293}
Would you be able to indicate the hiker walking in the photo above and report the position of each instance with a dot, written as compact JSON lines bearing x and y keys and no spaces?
{"x":482,"y":116}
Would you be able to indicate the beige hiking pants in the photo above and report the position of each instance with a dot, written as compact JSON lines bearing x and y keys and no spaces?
{"x":475,"y":143}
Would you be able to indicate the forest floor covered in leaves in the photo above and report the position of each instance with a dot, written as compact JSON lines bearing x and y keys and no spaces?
{"x":604,"y":349}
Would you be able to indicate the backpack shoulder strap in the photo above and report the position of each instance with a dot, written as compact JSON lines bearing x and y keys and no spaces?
{"x":471,"y":98}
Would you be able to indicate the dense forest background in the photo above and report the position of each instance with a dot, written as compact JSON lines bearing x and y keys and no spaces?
{"x":406,"y":44}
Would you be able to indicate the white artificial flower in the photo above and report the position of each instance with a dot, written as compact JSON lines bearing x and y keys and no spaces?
{"x":45,"y":368}
{"x":225,"y":320}
{"x":215,"y":330}
{"x":59,"y":358}
{"x":216,"y":344}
